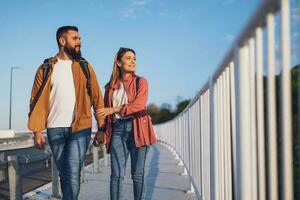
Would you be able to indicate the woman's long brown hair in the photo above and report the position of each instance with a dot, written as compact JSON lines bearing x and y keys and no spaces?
{"x":116,"y":73}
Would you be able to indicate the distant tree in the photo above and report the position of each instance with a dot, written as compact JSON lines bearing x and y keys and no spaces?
{"x":166,"y":106}
{"x":181,"y":106}
{"x":295,"y":76}
{"x":154,"y":112}
{"x":153,"y":108}
{"x":165,"y":113}
{"x":179,"y":99}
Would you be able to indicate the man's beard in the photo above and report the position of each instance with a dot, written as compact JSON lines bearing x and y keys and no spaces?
{"x":72,"y":52}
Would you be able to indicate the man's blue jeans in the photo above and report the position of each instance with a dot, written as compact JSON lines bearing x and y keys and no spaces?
{"x":69,"y":150}
{"x":122,"y":144}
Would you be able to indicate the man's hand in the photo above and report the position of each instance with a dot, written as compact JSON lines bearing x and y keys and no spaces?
{"x":98,"y":139}
{"x":103,"y":112}
{"x":39,"y":141}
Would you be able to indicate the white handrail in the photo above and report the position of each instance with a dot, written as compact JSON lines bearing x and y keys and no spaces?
{"x":223,"y":138}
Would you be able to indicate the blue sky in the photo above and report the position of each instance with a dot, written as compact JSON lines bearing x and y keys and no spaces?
{"x":178,"y":43}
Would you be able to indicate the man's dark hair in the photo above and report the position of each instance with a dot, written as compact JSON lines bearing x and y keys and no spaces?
{"x":64,"y":29}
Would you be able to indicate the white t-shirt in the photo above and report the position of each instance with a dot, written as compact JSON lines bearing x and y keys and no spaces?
{"x":119,"y":98}
{"x":62,"y":95}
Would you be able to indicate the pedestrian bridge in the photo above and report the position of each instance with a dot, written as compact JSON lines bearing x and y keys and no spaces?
{"x":165,"y":179}
{"x":235,"y":139}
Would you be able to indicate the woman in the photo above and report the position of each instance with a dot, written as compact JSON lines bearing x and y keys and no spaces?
{"x":128,"y":126}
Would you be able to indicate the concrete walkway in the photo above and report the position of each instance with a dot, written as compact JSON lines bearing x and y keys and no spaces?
{"x":164,"y":181}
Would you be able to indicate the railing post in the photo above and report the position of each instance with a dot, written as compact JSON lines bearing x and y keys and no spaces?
{"x":271,"y":109}
{"x":184,"y":173}
{"x":191,"y":190}
{"x":96,"y":160}
{"x":180,"y":163}
{"x":14,"y":178}
{"x":243,"y":128}
{"x":105,"y":157}
{"x":286,"y":100}
{"x":212,"y":137}
{"x":55,"y":180}
{"x":82,"y":177}
{"x":253,"y":124}
{"x":217,"y":143}
{"x":177,"y":157}
{"x":260,"y":115}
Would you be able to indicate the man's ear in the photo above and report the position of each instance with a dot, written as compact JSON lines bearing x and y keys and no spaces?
{"x":62,"y":41}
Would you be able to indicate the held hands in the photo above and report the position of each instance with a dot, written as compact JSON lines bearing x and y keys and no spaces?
{"x":98,"y":139}
{"x":39,"y":141}
{"x":103,"y":112}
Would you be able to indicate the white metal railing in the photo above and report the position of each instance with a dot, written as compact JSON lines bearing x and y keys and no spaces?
{"x":223,"y":138}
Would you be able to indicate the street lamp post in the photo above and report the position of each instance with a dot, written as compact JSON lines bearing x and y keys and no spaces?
{"x":10,"y":99}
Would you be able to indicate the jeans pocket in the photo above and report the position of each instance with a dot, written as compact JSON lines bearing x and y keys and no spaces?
{"x":129,"y":126}
{"x":117,"y":125}
{"x":55,"y":136}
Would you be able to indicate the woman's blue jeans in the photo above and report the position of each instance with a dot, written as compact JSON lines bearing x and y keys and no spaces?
{"x":122,"y":144}
{"x":69,"y":150}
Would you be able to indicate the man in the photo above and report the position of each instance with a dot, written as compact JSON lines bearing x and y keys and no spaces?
{"x":64,"y":89}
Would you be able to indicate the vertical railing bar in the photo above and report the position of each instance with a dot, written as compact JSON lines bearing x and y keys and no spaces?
{"x":221,"y":151}
{"x":201,"y":143}
{"x":205,"y":134}
{"x":229,"y":175}
{"x":228,"y":160}
{"x":223,"y":135}
{"x":212,"y":136}
{"x":244,"y":175}
{"x":260,"y":115}
{"x":220,"y":167}
{"x":285,"y":97}
{"x":233,"y":125}
{"x":195,"y":148}
{"x":217,"y":146}
{"x":253,"y":117}
{"x":205,"y":153}
{"x":272,"y":135}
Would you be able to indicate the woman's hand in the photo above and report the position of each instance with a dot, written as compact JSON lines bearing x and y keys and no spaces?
{"x":103,"y":112}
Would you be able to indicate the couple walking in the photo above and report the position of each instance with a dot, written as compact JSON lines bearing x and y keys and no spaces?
{"x":64,"y":90}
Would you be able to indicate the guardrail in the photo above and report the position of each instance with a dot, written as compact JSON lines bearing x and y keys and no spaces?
{"x":18,"y":142}
{"x":223,"y":138}
{"x":13,"y":165}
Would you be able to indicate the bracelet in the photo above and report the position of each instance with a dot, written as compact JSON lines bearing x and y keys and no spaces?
{"x":102,"y":129}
